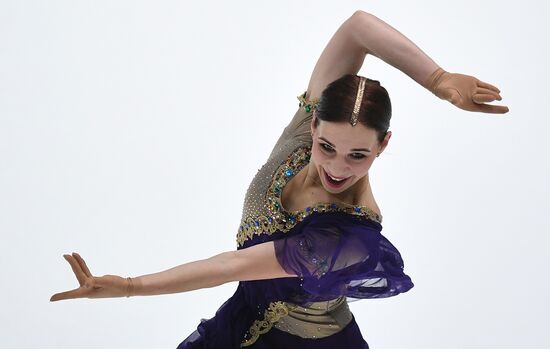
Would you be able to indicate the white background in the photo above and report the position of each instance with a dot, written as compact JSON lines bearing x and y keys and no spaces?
{"x":130,"y":130}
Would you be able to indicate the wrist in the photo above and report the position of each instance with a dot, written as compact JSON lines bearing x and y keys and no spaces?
{"x":434,"y":79}
{"x":133,"y":286}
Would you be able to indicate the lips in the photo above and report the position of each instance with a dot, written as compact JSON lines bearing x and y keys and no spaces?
{"x":333,"y":183}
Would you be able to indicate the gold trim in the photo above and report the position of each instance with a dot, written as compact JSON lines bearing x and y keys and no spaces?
{"x":272,"y":314}
{"x":358,"y":100}
{"x":277,"y":218}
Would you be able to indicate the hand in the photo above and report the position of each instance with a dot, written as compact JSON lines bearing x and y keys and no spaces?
{"x":465,"y":91}
{"x":106,"y":286}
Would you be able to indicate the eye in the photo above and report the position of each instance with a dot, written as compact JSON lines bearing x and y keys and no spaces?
{"x":326,"y":147}
{"x":359,"y":157}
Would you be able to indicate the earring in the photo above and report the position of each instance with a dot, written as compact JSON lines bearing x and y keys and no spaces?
{"x":377,"y":155}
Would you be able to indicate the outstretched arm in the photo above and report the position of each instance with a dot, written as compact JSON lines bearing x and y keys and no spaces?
{"x":253,"y":263}
{"x":256,"y":262}
{"x":364,"y":33}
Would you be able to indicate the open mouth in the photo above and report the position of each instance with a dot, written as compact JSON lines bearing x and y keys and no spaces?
{"x":333,"y":182}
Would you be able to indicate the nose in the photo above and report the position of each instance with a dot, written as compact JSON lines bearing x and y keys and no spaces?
{"x":339,"y":172}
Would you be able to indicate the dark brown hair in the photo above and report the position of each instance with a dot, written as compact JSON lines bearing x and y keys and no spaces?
{"x":338,"y":99}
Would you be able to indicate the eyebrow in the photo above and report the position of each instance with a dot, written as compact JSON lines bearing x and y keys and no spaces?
{"x":356,"y":149}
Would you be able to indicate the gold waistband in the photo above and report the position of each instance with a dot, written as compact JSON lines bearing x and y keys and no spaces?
{"x":317,"y":320}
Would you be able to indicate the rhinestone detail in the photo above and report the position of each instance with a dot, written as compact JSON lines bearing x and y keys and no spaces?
{"x":309,"y":106}
{"x":277,"y":218}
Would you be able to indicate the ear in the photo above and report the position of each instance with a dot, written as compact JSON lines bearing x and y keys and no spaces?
{"x":384,"y":143}
{"x":313,"y":120}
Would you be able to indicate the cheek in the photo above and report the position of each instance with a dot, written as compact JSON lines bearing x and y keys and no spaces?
{"x":363,"y":168}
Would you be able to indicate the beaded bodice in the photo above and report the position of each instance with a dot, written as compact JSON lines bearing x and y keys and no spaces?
{"x":262,"y":210}
{"x":255,"y":216}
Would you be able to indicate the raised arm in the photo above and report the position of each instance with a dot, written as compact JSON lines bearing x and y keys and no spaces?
{"x":364,"y":33}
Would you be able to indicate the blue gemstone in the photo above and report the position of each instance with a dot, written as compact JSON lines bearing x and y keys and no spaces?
{"x":333,"y":205}
{"x":308,"y":209}
{"x":270,"y":219}
{"x":257,"y":223}
{"x":358,"y":209}
{"x":288,"y":172}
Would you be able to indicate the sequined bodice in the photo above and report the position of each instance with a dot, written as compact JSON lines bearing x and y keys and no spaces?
{"x":263,"y":212}
{"x":294,"y":135}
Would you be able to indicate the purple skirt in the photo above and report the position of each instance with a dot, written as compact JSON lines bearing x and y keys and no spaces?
{"x":349,"y":337}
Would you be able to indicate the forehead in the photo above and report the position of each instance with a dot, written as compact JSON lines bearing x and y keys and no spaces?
{"x":345,"y":136}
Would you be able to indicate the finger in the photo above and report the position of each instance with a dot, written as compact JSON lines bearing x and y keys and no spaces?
{"x":81,"y":277}
{"x":487,"y":91}
{"x":83,"y":265}
{"x":487,"y":85}
{"x":483,"y":98}
{"x":493,"y":109}
{"x":76,"y":293}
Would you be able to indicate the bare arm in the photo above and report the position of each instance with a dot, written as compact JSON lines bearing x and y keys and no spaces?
{"x":204,"y":273}
{"x":253,"y":263}
{"x":359,"y":35}
{"x":364,"y":33}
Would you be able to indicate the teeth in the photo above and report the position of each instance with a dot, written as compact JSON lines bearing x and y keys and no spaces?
{"x":337,"y":180}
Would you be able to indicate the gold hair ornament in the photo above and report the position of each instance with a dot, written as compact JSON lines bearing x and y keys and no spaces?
{"x":358,"y":99}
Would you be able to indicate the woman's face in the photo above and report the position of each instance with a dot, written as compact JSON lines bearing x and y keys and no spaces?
{"x":344,"y":152}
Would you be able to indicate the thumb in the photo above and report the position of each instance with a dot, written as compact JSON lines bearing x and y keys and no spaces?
{"x":76,"y":293}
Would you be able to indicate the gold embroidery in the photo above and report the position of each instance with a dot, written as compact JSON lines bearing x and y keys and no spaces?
{"x":310,"y":105}
{"x":278,"y":219}
{"x":273,"y":313}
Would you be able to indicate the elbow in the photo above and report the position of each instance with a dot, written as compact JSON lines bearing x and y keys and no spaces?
{"x":360,"y":14}
{"x":360,"y":19}
{"x":360,"y":24}
{"x":257,"y":262}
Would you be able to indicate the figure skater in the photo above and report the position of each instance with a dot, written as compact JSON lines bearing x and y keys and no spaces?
{"x":310,"y":237}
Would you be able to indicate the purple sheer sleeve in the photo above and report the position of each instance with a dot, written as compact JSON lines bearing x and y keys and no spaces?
{"x":339,"y":254}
